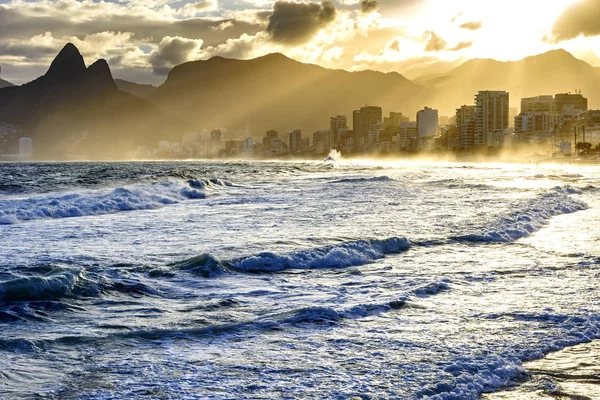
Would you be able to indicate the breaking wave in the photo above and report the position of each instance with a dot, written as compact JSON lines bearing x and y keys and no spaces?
{"x":343,"y":255}
{"x":39,"y":287}
{"x":364,"y":180}
{"x":529,"y":216}
{"x":144,"y":196}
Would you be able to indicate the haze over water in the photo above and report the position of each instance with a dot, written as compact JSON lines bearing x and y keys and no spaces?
{"x":291,"y":279}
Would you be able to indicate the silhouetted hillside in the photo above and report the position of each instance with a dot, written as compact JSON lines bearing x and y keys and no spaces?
{"x":549,"y":73}
{"x":137,"y":89}
{"x":74,"y":110}
{"x":4,"y":83}
{"x":275,"y":92}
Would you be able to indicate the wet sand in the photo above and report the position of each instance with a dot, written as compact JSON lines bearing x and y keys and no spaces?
{"x":570,"y":374}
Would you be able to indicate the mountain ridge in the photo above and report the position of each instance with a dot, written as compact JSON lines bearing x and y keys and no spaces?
{"x":555,"y":71}
{"x":74,"y":109}
{"x":276,"y":92}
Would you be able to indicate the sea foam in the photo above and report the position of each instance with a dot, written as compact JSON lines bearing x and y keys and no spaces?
{"x":528,"y":216}
{"x":143,"y":196}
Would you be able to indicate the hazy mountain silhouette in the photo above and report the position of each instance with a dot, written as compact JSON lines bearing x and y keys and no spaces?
{"x":137,"y":89}
{"x":275,"y":92}
{"x":74,"y":109}
{"x":553,"y":72}
{"x":77,"y":110}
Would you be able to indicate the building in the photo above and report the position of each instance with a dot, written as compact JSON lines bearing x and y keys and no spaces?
{"x":268,"y":139}
{"x":295,"y":141}
{"x":491,"y":118}
{"x":320,"y":142}
{"x":538,"y":104}
{"x":465,"y":127}
{"x":563,"y":100}
{"x":373,"y":140}
{"x":25,"y":147}
{"x":407,"y":138}
{"x":427,"y":123}
{"x":216,"y":137}
{"x":248,"y":146}
{"x":535,"y":127}
{"x":363,"y":121}
{"x":337,"y":125}
{"x":395,"y":119}
{"x":590,"y":127}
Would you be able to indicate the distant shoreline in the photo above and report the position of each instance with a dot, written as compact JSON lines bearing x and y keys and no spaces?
{"x":430,"y":158}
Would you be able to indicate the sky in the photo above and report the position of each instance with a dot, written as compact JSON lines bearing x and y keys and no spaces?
{"x":143,"y":39}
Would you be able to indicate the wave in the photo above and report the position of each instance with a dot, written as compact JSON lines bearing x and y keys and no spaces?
{"x":343,"y":255}
{"x":529,"y":216}
{"x":144,"y":196}
{"x":364,"y":180}
{"x":50,"y":287}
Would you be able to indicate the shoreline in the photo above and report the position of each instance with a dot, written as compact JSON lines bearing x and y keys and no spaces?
{"x":424,"y":158}
{"x":569,"y":374}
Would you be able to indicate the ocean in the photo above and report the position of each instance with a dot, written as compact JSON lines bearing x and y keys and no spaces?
{"x":281,"y":280}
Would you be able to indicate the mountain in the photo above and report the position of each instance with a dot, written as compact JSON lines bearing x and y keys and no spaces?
{"x":137,"y":89}
{"x":4,"y":83}
{"x":553,"y":72}
{"x":74,"y":109}
{"x":275,"y":92}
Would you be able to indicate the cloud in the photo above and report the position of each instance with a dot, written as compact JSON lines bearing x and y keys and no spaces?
{"x":72,"y":18}
{"x":368,"y":6}
{"x":472,"y":26}
{"x":461,"y":46}
{"x":435,"y":42}
{"x":457,"y":16}
{"x":193,"y":9}
{"x":173,"y":51}
{"x":581,"y":18}
{"x":296,"y":23}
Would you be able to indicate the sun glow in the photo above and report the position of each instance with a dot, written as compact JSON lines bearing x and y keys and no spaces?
{"x":510,"y":30}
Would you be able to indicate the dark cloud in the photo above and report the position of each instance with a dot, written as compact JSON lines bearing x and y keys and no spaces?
{"x":435,"y":42}
{"x":16,"y":25}
{"x":368,"y":6}
{"x":296,"y":23}
{"x":172,"y":51}
{"x":461,"y":46}
{"x":472,"y":26}
{"x":581,"y":18}
{"x":27,"y":50}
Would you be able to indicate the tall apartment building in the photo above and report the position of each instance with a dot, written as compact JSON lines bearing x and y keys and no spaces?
{"x":337,"y":125}
{"x":25,"y":147}
{"x":407,"y":137}
{"x":532,"y":127}
{"x":295,"y":141}
{"x":491,"y":117}
{"x":465,"y":127}
{"x":427,"y":123}
{"x":537,"y":104}
{"x":563,"y":100}
{"x":363,"y":121}
{"x":268,"y":139}
{"x":395,"y":119}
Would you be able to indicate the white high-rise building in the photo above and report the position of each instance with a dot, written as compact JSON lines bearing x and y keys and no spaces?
{"x":427,"y":123}
{"x":25,"y":147}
